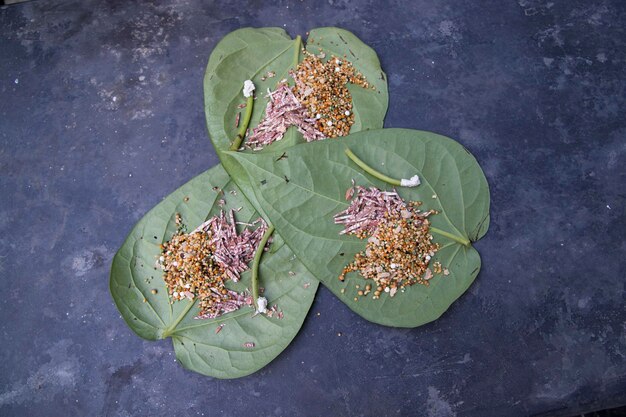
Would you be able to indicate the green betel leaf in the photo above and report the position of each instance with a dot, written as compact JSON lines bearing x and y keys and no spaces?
{"x":319,"y":174}
{"x":240,"y":39}
{"x":249,"y":54}
{"x":252,"y":53}
{"x":140,"y":293}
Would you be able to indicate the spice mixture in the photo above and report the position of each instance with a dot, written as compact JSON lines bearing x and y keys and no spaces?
{"x":322,"y":88}
{"x":199,"y":263}
{"x":283,"y":110}
{"x":399,"y":246}
{"x":319,"y":104}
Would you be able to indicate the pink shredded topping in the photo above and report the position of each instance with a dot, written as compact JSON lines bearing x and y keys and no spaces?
{"x":233,"y":251}
{"x":229,"y":302}
{"x":283,"y":110}
{"x":367,"y":209}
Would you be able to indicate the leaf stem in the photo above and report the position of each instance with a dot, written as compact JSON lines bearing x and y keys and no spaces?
{"x":168,"y":331}
{"x":296,"y":53}
{"x":244,"y":124}
{"x":250,"y":102}
{"x":461,"y":240}
{"x":371,"y":170}
{"x":255,"y":265}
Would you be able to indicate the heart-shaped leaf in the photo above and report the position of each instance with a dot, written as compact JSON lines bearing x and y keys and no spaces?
{"x":244,"y":343}
{"x":249,"y":54}
{"x":301,"y":193}
{"x":252,"y":53}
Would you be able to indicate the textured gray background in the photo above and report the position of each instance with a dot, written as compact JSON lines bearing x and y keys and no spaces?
{"x":101,"y":116}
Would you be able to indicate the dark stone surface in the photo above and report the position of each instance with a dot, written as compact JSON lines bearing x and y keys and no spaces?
{"x":101,"y":116}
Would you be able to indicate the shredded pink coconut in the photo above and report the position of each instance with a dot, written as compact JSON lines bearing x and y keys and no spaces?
{"x":233,"y":251}
{"x":367,"y":209}
{"x":283,"y":110}
{"x":229,"y":302}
